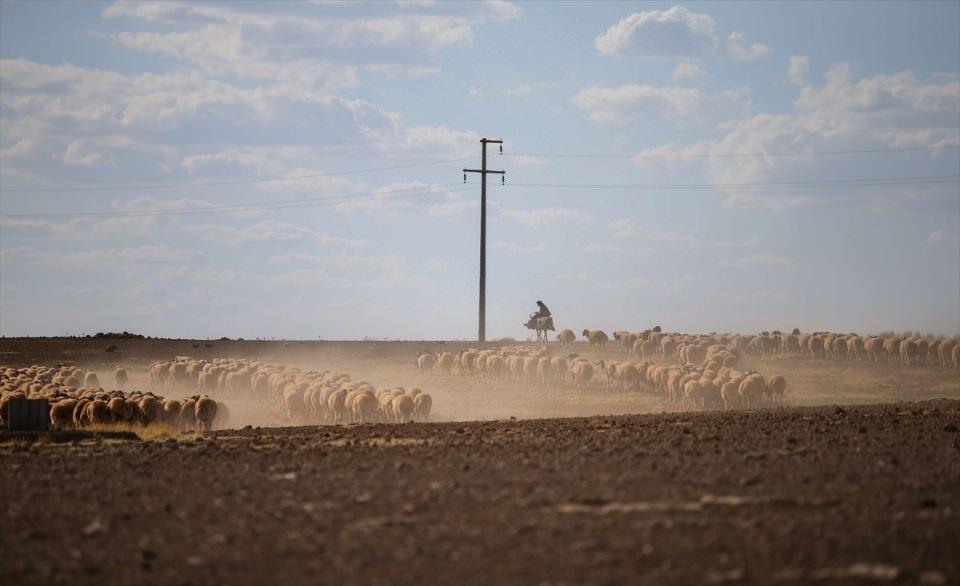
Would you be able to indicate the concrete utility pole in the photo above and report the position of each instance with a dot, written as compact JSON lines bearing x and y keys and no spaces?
{"x":482,"y":331}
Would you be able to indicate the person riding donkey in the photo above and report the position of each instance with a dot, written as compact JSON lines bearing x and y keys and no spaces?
{"x":541,"y":321}
{"x":542,"y":311}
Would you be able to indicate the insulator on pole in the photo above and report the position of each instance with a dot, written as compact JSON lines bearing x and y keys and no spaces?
{"x":464,"y":177}
{"x":501,"y":148}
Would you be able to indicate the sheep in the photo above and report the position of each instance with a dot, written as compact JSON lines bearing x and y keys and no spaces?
{"x":421,"y":406}
{"x":188,"y":414}
{"x":97,"y":412}
{"x":120,"y":377}
{"x":365,"y":406}
{"x":609,"y":369}
{"x":90,"y":380}
{"x":446,"y":361}
{"x":776,"y":385}
{"x":712,"y":395}
{"x":403,"y":408}
{"x":596,"y":338}
{"x":582,"y":372}
{"x":908,"y":351}
{"x":337,"y":405}
{"x":426,"y":361}
{"x":566,"y":337}
{"x":693,"y":394}
{"x":730,"y":394}
{"x":751,"y":390}
{"x":628,"y":376}
{"x":150,"y":409}
{"x":544,"y":370}
{"x":61,"y":413}
{"x":560,"y":369}
{"x":205,"y":411}
{"x":120,"y":410}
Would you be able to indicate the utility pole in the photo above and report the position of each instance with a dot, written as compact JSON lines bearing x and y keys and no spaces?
{"x":482,"y":331}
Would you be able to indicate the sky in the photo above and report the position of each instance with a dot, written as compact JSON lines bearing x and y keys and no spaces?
{"x":294,"y":170}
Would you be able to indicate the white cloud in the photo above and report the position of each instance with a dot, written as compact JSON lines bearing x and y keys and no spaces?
{"x":77,"y":154}
{"x":630,"y":284}
{"x":737,"y":47}
{"x":435,"y":264}
{"x":603,"y":248}
{"x":518,"y":248}
{"x":896,"y":110}
{"x":797,"y":72}
{"x":122,"y":257}
{"x":406,"y":197}
{"x":643,"y":282}
{"x":941,"y":236}
{"x":327,"y":50}
{"x":515,"y":92}
{"x":674,"y":33}
{"x":576,"y":276}
{"x":678,"y":283}
{"x":150,"y":126}
{"x":749,"y":242}
{"x":266,"y":231}
{"x":385,"y":261}
{"x":687,"y":68}
{"x":760,"y":259}
{"x":670,"y":237}
{"x":548,"y":217}
{"x":611,"y":105}
{"x":622,"y":227}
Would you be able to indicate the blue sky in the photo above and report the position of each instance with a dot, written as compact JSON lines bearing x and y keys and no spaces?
{"x":722,"y":96}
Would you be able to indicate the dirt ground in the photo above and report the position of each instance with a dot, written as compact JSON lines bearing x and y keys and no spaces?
{"x":798,"y":495}
{"x":860,"y":493}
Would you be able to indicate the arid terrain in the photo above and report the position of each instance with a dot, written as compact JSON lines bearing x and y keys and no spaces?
{"x":821,"y":495}
{"x":593,"y":485}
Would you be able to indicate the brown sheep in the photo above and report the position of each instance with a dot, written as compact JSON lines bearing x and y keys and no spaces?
{"x":171,"y":413}
{"x":596,"y":338}
{"x":403,"y":408}
{"x":120,"y":377}
{"x":776,"y":386}
{"x":421,"y":406}
{"x":61,"y":413}
{"x":188,"y":414}
{"x":205,"y":411}
{"x":150,"y":409}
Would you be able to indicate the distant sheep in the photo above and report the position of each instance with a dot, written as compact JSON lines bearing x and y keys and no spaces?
{"x":597,"y":338}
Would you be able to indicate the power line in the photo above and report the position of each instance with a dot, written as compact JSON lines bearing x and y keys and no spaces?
{"x":233,"y":181}
{"x":731,"y":155}
{"x":310,"y":202}
{"x":411,"y":192}
{"x":766,"y":185}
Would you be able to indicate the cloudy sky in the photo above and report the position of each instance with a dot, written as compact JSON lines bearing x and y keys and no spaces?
{"x":726,"y":166}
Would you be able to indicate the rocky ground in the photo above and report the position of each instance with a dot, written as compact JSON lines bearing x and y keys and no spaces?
{"x":795,"y":495}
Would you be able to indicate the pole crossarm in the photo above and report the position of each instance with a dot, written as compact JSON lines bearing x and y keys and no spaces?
{"x":482,"y":171}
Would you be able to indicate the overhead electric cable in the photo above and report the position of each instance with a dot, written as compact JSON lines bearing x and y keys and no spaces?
{"x":730,"y":155}
{"x":765,"y":185}
{"x":231,"y":208}
{"x":232,"y":181}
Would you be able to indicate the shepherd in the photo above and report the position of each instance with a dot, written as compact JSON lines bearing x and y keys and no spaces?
{"x":541,"y":321}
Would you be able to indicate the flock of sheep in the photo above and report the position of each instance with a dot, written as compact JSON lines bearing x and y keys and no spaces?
{"x":77,"y":401}
{"x":905,"y":350}
{"x":301,"y":397}
{"x":704,"y":376}
{"x":909,"y":350}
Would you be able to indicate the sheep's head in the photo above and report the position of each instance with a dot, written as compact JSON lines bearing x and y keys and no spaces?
{"x":586,"y":332}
